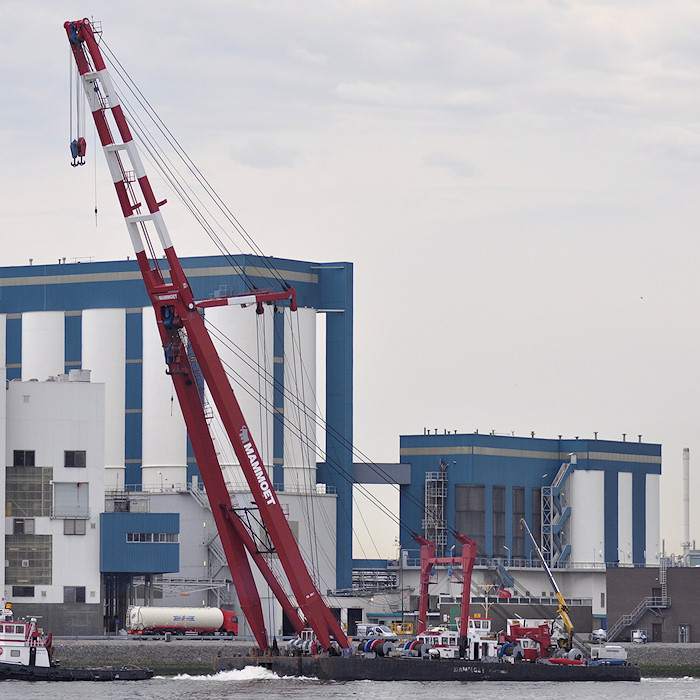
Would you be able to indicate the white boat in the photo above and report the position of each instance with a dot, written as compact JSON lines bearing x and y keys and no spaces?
{"x":23,"y":643}
{"x":27,"y":654}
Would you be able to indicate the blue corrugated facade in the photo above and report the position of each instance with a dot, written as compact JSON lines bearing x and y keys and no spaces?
{"x":492,"y":462}
{"x":327,"y":287}
{"x":119,"y":553}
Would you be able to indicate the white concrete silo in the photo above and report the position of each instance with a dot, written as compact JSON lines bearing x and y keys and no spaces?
{"x":164,"y":435}
{"x":43,"y":344}
{"x":625,"y":552}
{"x":587,"y":531}
{"x":104,"y":354}
{"x":244,"y":341}
{"x":300,"y":401}
{"x":653,"y":520}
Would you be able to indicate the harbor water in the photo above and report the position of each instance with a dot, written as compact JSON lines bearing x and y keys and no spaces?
{"x":257,"y":684}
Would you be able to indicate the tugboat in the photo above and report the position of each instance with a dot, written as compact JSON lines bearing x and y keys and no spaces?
{"x":27,"y":655}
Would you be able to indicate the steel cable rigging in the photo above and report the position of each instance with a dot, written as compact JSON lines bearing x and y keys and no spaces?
{"x":311,"y":415}
{"x":175,"y":179}
{"x":204,"y":216}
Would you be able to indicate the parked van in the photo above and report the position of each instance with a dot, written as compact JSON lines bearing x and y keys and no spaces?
{"x":376,"y":632}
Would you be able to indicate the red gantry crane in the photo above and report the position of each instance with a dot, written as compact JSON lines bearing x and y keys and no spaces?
{"x":186,"y":342}
{"x":428,"y":560}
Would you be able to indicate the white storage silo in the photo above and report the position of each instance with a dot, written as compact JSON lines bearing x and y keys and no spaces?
{"x":164,"y":435}
{"x":43,"y":344}
{"x":653,"y":520}
{"x":244,"y":341}
{"x":624,"y":519}
{"x":300,"y":403}
{"x":3,"y":338}
{"x":587,"y":531}
{"x":104,"y":353}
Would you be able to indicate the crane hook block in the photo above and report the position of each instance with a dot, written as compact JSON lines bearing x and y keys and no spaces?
{"x":77,"y":150}
{"x":73,"y":35}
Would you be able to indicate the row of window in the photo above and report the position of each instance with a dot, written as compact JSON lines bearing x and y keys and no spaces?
{"x":152,"y":537}
{"x":71,"y":594}
{"x":25,"y":526}
{"x":26,"y":458}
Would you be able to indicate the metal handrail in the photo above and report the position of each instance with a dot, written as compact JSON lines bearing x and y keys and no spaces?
{"x":648,"y":603}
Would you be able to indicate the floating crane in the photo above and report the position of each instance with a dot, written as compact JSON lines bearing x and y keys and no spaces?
{"x":563,"y":609}
{"x":188,"y":347}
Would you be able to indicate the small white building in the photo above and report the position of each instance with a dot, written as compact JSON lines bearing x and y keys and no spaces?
{"x":54,"y":493}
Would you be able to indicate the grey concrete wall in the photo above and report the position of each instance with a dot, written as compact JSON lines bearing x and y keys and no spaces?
{"x":69,"y":619}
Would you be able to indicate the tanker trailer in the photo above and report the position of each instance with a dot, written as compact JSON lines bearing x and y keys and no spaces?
{"x":145,"y":619}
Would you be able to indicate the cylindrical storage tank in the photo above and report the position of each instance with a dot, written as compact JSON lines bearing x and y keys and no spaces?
{"x":300,"y":405}
{"x":624,"y":518}
{"x":104,"y":353}
{"x":43,"y":344}
{"x":148,"y":617}
{"x":653,"y":520}
{"x":164,"y":435}
{"x":587,"y":529}
{"x":244,"y":340}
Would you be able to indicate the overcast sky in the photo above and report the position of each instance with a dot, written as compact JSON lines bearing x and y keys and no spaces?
{"x":515,"y":182}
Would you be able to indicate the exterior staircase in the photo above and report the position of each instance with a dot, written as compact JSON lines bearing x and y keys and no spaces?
{"x":649,"y":603}
{"x":200,"y":496}
{"x":653,"y":603}
{"x":555,"y":514}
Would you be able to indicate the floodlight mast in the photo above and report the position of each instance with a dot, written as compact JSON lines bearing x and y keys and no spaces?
{"x":185,"y":341}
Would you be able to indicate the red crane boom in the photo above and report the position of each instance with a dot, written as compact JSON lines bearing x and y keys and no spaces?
{"x":186,"y":340}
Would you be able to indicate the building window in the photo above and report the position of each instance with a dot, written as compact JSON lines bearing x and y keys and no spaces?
{"x":29,"y":560}
{"x":518,"y":513}
{"x":73,"y":594}
{"x":499,"y":521}
{"x":470,"y":513}
{"x":152,"y":537}
{"x":29,"y":491}
{"x":71,"y":500}
{"x":73,"y":527}
{"x":22,"y":591}
{"x":536,"y":524}
{"x":74,"y":458}
{"x":121,"y":505}
{"x":23,"y":458}
{"x":23,"y":526}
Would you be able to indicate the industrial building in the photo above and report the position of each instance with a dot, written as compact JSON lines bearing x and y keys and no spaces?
{"x":85,"y":372}
{"x":56,"y":319}
{"x":587,"y":500}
